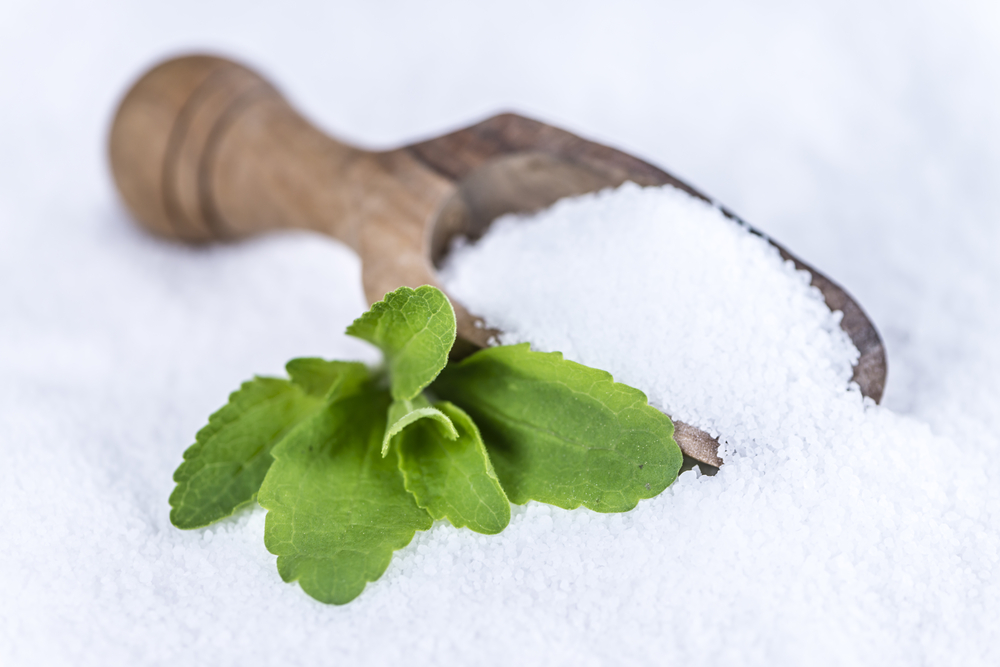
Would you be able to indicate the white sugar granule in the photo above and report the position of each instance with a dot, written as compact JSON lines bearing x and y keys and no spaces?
{"x":855,"y":532}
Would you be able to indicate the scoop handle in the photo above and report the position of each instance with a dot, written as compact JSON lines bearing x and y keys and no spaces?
{"x":203,"y":148}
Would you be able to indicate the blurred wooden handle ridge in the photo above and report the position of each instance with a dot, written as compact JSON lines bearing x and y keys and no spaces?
{"x":203,"y":148}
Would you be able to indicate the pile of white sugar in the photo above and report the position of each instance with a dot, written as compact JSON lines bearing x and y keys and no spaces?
{"x":836,"y":531}
{"x":668,"y":295}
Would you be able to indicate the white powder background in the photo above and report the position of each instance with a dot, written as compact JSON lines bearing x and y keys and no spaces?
{"x":864,"y":136}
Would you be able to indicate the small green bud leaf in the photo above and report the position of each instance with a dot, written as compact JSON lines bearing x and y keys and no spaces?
{"x":452,"y":478}
{"x":404,"y":413}
{"x":415,"y":330}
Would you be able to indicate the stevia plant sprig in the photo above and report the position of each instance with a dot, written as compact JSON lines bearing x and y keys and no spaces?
{"x":351,"y":461}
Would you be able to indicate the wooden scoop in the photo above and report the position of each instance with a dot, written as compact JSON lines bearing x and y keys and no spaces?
{"x":204,"y":149}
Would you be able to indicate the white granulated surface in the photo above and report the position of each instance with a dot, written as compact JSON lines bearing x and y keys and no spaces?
{"x":863,"y":135}
{"x":848,"y":527}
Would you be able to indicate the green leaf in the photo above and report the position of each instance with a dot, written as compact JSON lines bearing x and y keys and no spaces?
{"x":415,"y":330}
{"x":337,"y":509}
{"x":404,"y":413}
{"x":225,"y":467}
{"x":453,"y":478}
{"x":328,"y":379}
{"x":231,"y":455}
{"x":562,"y":433}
